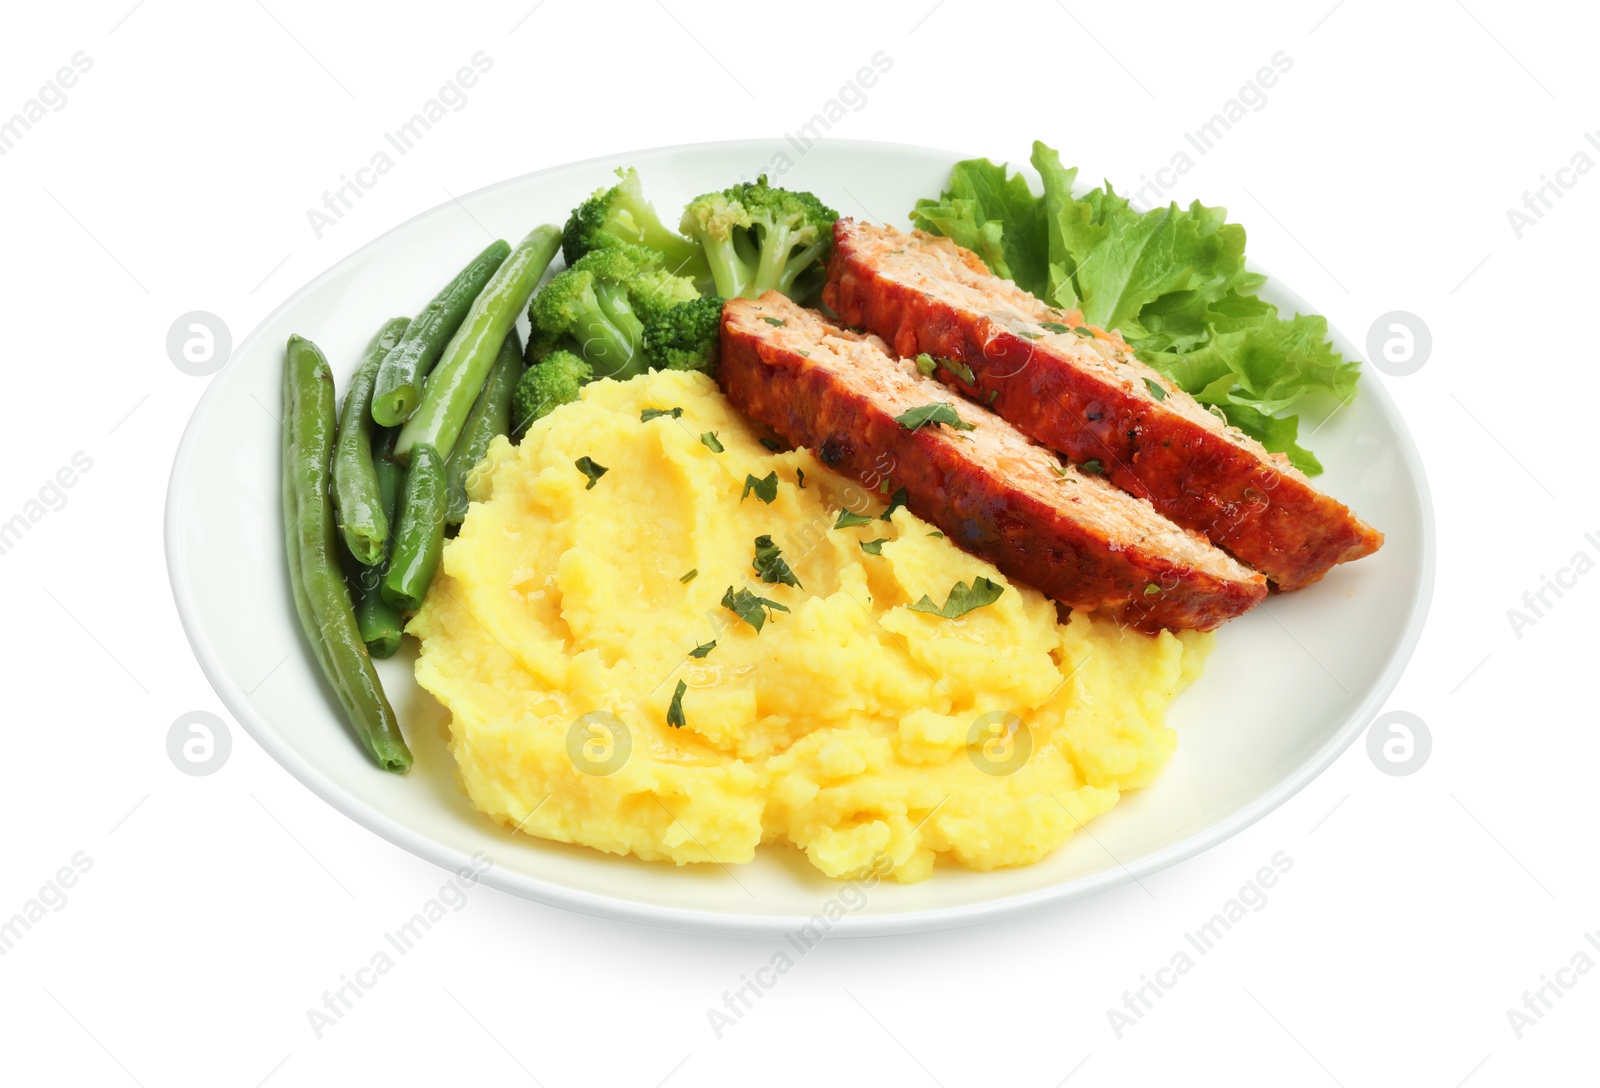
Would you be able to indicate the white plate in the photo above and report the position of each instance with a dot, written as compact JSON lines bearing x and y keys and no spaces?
{"x":1290,"y":685}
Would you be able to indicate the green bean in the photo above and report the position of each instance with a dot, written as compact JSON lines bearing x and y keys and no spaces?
{"x":291,"y":539}
{"x":455,"y":383}
{"x":321,"y":597}
{"x":490,"y":416}
{"x":362,"y":518}
{"x":419,"y":536}
{"x":399,"y":383}
{"x":381,"y":622}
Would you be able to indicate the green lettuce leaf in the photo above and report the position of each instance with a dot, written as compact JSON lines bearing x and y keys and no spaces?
{"x":1280,"y":434}
{"x":1110,"y":261}
{"x":1058,"y":217}
{"x":1172,"y":280}
{"x":993,"y":213}
{"x":1272,"y":362}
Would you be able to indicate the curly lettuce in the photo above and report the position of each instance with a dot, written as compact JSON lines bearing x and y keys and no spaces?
{"x":1171,"y":279}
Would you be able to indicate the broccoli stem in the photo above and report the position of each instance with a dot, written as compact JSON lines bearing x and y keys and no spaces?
{"x":609,"y":335}
{"x":681,"y":256}
{"x":776,"y":241}
{"x":729,"y":270}
{"x":799,"y":262}
{"x":613,"y":299}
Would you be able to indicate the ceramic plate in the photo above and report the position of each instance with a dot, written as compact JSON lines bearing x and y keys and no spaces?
{"x":1289,"y":686}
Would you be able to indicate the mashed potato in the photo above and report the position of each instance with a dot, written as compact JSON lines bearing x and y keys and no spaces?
{"x":850,"y":726}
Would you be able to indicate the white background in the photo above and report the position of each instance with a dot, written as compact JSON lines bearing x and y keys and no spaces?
{"x":1376,"y":177}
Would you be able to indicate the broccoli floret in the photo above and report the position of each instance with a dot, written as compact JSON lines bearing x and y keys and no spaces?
{"x":547,"y":386}
{"x":651,"y":289}
{"x":686,"y":336}
{"x":620,"y":262}
{"x":588,"y":305}
{"x":720,"y":223}
{"x":622,"y":214}
{"x":595,"y":317}
{"x":656,"y":292}
{"x":758,"y":238}
{"x":540,"y":343}
{"x":795,"y":233}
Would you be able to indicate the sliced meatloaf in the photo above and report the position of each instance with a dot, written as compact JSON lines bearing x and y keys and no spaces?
{"x":1082,"y":392}
{"x":990,"y":489}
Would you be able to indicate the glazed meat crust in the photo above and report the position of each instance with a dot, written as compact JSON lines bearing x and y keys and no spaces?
{"x":1091,"y":400}
{"x":990,"y":490}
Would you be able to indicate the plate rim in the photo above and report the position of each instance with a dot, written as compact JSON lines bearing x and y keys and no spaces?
{"x":662,"y":916}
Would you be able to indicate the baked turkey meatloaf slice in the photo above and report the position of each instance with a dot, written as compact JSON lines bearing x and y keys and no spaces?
{"x":991,"y":490}
{"x":1086,"y":395}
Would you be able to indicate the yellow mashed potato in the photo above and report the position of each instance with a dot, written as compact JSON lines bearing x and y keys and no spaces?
{"x":852,"y":727}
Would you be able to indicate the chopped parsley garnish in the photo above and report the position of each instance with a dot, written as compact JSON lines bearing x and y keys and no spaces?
{"x":766,"y":488}
{"x":1084,"y":330}
{"x":993,"y":393}
{"x":770,"y":564}
{"x":709,"y":441}
{"x":1091,"y":468}
{"x":963,"y":598}
{"x":925,"y":365}
{"x":691,"y":576}
{"x":778,"y":321}
{"x":804,"y":354}
{"x":937,"y":533}
{"x":896,"y":501}
{"x":874,"y":547}
{"x":590,"y":469}
{"x":750,"y":608}
{"x":913,"y":418}
{"x":800,"y":478}
{"x":772,"y":444}
{"x":1030,"y":335}
{"x":1151,"y":590}
{"x":848,"y":518}
{"x":1059,"y":470}
{"x":703,"y":649}
{"x":1053,"y":326}
{"x":1155,"y":389}
{"x":656,"y":413}
{"x":883,"y":488}
{"x":960,"y":370}
{"x":675,"y":716}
